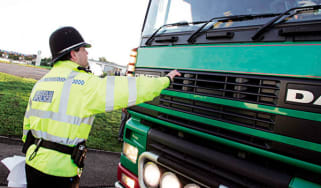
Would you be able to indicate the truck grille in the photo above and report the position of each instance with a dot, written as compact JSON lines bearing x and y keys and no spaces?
{"x":240,"y":87}
{"x":246,"y":88}
{"x":200,"y":161}
{"x":248,"y":118}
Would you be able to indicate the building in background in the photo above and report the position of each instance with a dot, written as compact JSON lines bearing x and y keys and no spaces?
{"x":109,"y":68}
{"x":16,"y":57}
{"x":98,"y":67}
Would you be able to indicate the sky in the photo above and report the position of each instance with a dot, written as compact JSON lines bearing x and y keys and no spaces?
{"x":112,"y":27}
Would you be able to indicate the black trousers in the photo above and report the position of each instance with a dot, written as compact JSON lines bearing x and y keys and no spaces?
{"x":37,"y":179}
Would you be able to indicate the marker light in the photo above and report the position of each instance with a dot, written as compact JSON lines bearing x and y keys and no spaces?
{"x":130,"y":152}
{"x":151,"y":174}
{"x":126,"y":178}
{"x":132,"y":62}
{"x":169,"y":180}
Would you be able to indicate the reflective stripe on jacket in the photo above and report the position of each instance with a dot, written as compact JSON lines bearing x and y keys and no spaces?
{"x":62,"y":106}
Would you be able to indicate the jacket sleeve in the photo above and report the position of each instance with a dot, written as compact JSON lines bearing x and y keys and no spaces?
{"x":116,"y":92}
{"x":26,"y":124}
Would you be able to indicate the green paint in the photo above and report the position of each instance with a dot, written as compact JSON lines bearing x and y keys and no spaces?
{"x":248,"y":106}
{"x":301,"y":183}
{"x":261,"y":152}
{"x":240,"y":129}
{"x":278,"y":59}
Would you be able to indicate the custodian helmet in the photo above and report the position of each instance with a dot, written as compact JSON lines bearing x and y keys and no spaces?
{"x":63,"y":40}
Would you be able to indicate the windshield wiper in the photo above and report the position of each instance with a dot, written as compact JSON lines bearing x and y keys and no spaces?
{"x":200,"y":30}
{"x":269,"y":24}
{"x":150,"y":39}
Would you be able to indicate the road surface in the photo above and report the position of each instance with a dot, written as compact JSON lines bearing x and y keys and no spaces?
{"x":23,"y":71}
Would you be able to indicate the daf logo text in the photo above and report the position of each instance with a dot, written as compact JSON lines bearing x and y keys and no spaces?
{"x":302,"y":96}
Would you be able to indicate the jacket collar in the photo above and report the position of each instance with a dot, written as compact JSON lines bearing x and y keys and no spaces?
{"x":71,"y":65}
{"x":66,"y":64}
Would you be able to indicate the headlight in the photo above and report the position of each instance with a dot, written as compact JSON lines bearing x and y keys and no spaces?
{"x":130,"y":151}
{"x":192,"y":185}
{"x":151,"y":174}
{"x":169,"y":180}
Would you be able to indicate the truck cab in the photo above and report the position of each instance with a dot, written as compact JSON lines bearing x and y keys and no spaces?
{"x":246,"y":111}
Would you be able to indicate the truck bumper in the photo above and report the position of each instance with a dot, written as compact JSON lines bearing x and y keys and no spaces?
{"x":126,"y":179}
{"x":118,"y":185}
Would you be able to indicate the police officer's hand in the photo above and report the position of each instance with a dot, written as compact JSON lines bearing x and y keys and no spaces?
{"x":172,"y":74}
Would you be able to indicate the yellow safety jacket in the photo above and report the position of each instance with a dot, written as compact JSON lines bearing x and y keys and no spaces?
{"x":62,"y":106}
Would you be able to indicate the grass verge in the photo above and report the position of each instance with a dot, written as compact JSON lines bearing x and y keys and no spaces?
{"x":14,"y":95}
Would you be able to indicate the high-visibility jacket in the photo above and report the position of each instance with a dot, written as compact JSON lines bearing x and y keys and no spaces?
{"x":62,"y":106}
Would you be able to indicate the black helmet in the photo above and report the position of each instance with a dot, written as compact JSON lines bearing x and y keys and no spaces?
{"x":63,"y":40}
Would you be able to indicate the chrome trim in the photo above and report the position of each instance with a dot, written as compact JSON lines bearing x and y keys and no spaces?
{"x":153,"y":157}
{"x":118,"y":185}
{"x":141,"y":161}
{"x":72,"y":46}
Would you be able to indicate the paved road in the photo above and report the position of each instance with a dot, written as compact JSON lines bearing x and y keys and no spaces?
{"x":101,"y":167}
{"x":23,"y":71}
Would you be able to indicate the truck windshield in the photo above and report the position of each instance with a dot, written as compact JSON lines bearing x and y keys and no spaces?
{"x":163,"y":12}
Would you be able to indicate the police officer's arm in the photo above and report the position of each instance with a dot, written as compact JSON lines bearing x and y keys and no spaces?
{"x":172,"y":74}
{"x":112,"y":93}
{"x":26,"y":127}
{"x":26,"y":124}
{"x":147,"y":90}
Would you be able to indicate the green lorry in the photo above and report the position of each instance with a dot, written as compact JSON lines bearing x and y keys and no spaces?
{"x":246,"y":111}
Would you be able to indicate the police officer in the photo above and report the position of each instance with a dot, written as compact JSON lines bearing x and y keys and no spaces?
{"x":62,"y":106}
